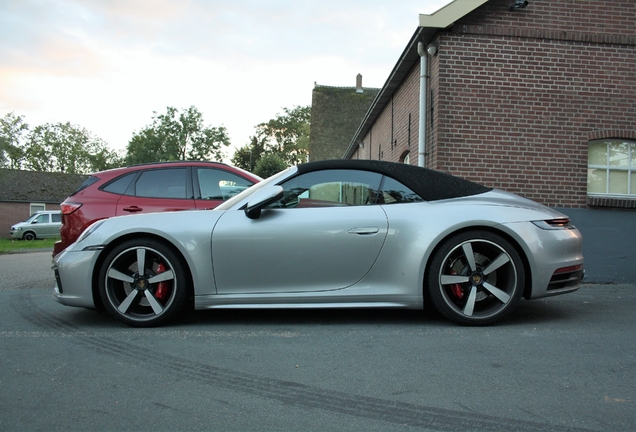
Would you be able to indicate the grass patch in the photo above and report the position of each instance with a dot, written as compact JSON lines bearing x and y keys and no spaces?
{"x":11,"y":245}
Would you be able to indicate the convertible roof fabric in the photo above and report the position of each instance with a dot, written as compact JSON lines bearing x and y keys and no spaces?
{"x":429,"y":184}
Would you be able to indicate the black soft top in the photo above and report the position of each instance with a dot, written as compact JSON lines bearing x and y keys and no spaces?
{"x":429,"y":184}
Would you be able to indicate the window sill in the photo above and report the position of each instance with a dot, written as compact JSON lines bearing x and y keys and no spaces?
{"x":611,"y":202}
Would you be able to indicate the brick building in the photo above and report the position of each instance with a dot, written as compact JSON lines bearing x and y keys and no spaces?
{"x":23,"y":193}
{"x":537,"y":98}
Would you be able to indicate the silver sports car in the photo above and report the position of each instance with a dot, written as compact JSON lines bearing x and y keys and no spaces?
{"x":331,"y":234}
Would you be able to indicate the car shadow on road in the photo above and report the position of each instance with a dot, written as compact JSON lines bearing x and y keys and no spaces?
{"x":527,"y":313}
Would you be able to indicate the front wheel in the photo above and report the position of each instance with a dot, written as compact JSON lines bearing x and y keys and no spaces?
{"x":28,"y":236}
{"x":143,"y":283}
{"x":476,"y":278}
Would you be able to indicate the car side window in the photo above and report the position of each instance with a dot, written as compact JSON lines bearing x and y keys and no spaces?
{"x":120,"y":184}
{"x":217,"y":184}
{"x":56,"y":217}
{"x":162,"y":183}
{"x":395,"y":192}
{"x":41,"y":219}
{"x":330,"y":188}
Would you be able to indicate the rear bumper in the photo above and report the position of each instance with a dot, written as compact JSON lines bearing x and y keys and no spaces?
{"x":555,"y":259}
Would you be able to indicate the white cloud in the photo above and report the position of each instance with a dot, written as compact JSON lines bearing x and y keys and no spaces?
{"x":107,"y":65}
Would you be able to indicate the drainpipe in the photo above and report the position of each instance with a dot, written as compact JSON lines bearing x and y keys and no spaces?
{"x":421,"y":151}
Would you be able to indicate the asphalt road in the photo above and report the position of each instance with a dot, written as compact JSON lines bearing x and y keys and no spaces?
{"x":562,"y":364}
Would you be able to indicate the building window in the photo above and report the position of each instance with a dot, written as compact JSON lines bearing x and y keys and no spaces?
{"x":34,"y":208}
{"x":612,"y":168}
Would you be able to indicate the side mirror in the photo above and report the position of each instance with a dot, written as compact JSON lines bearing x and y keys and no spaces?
{"x":261,"y":199}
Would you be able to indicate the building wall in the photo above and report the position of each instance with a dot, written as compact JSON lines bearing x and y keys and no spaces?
{"x":395,"y":133}
{"x":515,"y":97}
{"x":514,"y":100}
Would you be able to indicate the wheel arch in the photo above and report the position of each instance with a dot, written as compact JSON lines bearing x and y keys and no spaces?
{"x":24,"y":234}
{"x":112,"y":245}
{"x":527,"y":290}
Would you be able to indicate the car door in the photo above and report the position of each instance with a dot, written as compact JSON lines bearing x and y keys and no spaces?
{"x":56,"y":223}
{"x":158,"y":190}
{"x":41,"y":225}
{"x":323,"y":235}
{"x":48,"y":227}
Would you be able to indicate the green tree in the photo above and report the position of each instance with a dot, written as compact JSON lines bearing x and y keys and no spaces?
{"x":177,"y":136}
{"x":246,"y":157}
{"x":63,"y":147}
{"x":286,"y":135}
{"x":269,"y":164}
{"x":12,"y":131}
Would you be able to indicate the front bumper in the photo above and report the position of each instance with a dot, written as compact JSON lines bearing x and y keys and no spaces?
{"x":74,"y":278}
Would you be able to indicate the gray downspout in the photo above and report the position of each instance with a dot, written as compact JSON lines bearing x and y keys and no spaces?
{"x":421,"y":151}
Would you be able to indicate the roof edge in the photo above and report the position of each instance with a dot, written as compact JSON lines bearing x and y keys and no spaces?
{"x":450,"y":13}
{"x":429,"y":25}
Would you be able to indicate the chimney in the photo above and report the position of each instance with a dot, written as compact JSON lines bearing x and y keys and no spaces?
{"x":359,"y":84}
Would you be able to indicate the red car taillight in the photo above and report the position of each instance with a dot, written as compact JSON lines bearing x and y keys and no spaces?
{"x":68,"y":208}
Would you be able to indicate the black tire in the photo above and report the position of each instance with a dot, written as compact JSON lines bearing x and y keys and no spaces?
{"x":476,"y":278}
{"x":143,"y":300}
{"x":28,"y":236}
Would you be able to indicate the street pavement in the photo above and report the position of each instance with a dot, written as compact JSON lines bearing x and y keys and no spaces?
{"x":566,"y":363}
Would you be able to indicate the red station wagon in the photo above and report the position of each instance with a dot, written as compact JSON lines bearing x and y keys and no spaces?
{"x":155,"y":187}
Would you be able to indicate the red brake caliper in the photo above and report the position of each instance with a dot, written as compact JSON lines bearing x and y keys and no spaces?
{"x":162,"y":287}
{"x":457,"y":288}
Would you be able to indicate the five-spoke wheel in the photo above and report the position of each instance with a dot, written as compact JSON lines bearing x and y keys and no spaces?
{"x":476,"y":278}
{"x":142,"y":283}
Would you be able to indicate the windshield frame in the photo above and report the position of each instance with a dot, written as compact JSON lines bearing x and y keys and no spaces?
{"x":238,"y":201}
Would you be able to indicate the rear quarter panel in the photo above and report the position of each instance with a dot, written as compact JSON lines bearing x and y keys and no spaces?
{"x":416,"y":230}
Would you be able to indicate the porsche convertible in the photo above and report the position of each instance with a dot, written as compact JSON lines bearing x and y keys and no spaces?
{"x":329,"y":234}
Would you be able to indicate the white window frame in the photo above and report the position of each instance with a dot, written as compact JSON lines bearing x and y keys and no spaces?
{"x":607,"y":167}
{"x":36,"y":207}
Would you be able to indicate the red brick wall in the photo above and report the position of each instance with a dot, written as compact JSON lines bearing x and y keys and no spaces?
{"x":518,"y":95}
{"x":395,"y":132}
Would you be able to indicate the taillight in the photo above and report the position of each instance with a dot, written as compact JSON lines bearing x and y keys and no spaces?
{"x":68,"y":208}
{"x":559,"y":223}
{"x":551,"y":224}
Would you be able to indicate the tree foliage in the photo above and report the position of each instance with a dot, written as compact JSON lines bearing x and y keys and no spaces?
{"x":286,"y":135}
{"x":12,"y":131}
{"x":269,"y":164}
{"x":59,"y":147}
{"x":248,"y":156}
{"x":177,"y":136}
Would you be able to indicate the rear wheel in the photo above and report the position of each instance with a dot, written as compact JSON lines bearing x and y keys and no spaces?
{"x":143,"y":283}
{"x":476,"y":278}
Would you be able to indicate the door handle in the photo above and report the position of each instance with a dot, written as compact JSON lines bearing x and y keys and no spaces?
{"x":364,"y":230}
{"x":133,"y":209}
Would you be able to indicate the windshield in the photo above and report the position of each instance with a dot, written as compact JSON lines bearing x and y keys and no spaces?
{"x":249,"y":191}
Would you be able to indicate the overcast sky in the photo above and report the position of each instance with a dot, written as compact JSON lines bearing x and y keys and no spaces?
{"x":106,"y":65}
